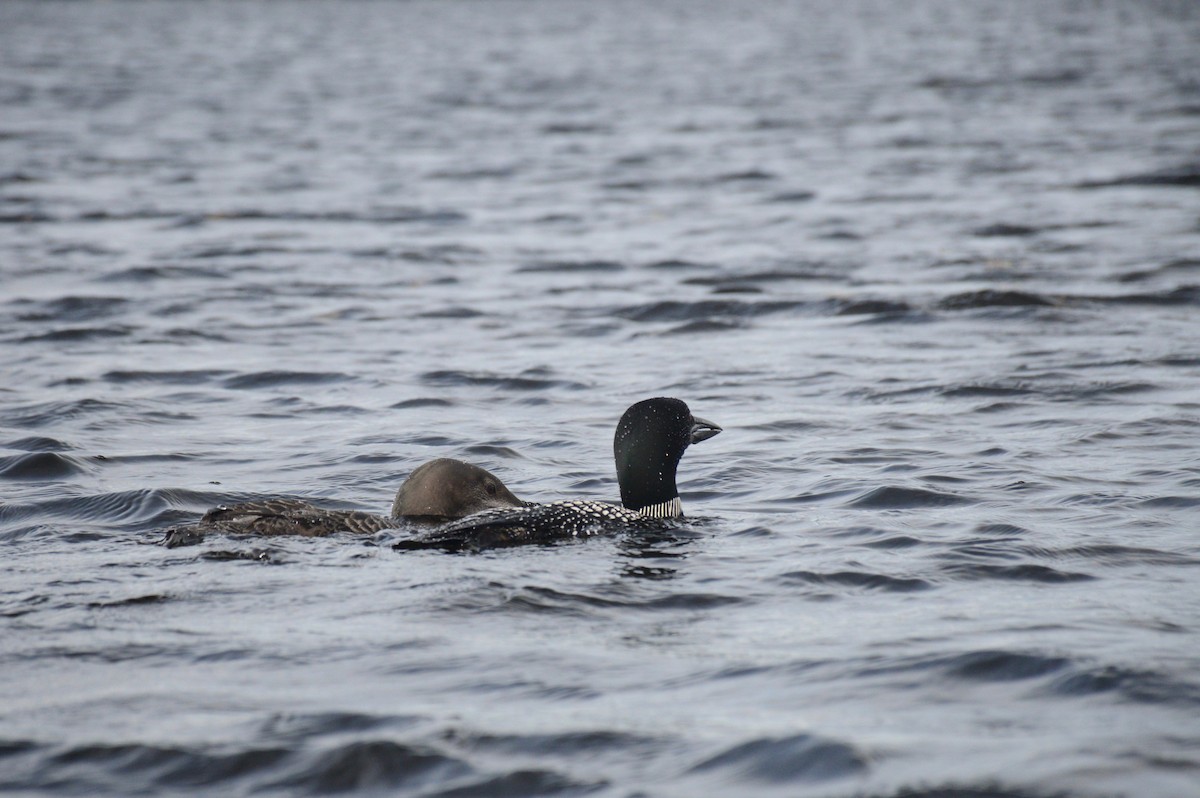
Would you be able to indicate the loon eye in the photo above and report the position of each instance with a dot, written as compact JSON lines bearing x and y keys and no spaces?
{"x":491,"y":488}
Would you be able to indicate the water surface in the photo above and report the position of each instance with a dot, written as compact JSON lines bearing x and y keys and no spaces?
{"x":934,"y":267}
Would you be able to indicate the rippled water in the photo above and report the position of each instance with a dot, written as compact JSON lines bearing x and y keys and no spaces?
{"x":935,"y":267}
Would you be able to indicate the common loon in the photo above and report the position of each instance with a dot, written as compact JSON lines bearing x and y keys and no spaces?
{"x":650,"y":439}
{"x":437,"y":491}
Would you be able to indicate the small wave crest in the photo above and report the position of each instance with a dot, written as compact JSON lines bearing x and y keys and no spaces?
{"x":1182,"y":176}
{"x":54,"y":412}
{"x":79,"y":334}
{"x":366,"y":764}
{"x":164,"y":377}
{"x":529,"y":380}
{"x":994,"y":666}
{"x":1025,"y":572}
{"x":991,"y":298}
{"x":372,"y":764}
{"x":539,"y":599}
{"x":272,"y":379}
{"x":74,"y":309}
{"x":1142,"y":686}
{"x":41,"y":466}
{"x":988,"y":665}
{"x":801,"y":757}
{"x":856,"y":579}
{"x":889,"y":497}
{"x":676,"y":311}
{"x":145,"y":508}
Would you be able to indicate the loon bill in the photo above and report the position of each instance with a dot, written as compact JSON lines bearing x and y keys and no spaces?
{"x":651,"y":438}
{"x":437,"y":491}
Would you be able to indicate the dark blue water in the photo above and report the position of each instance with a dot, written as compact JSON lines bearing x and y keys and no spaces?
{"x":934,"y":267}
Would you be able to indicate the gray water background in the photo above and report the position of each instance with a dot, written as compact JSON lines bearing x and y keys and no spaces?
{"x":934,"y":266}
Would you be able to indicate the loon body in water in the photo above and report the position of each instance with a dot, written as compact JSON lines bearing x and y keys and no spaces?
{"x":650,"y":440}
{"x":437,"y":491}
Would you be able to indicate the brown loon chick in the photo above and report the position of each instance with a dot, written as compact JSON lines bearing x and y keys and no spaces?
{"x":437,"y":491}
{"x":445,"y":489}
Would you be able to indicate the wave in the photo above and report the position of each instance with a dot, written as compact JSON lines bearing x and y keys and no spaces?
{"x":993,"y":666}
{"x":872,"y":307}
{"x":37,"y":443}
{"x":270,"y":379}
{"x":991,"y":297}
{"x":573,"y":267}
{"x":74,"y":308}
{"x":859,"y":579}
{"x":528,"y":380}
{"x":888,"y":497}
{"x":54,"y":412}
{"x":498,"y":597}
{"x":801,"y":757}
{"x":965,"y":790}
{"x":41,"y":466}
{"x":1182,"y":176}
{"x":986,"y":665}
{"x":165,"y":376}
{"x":79,"y":334}
{"x":382,"y":215}
{"x":1170,"y":268}
{"x":146,"y":274}
{"x":674,"y":310}
{"x":1026,"y":572}
{"x":146,"y":508}
{"x":702,"y":326}
{"x":542,"y":599}
{"x":371,"y":764}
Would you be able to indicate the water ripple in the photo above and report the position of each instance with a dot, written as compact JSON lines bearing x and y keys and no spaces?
{"x":889,"y":497}
{"x":540,"y":599}
{"x":801,"y":757}
{"x":932,"y":268}
{"x":1027,"y":572}
{"x":671,"y":310}
{"x":271,"y":379}
{"x":371,"y":764}
{"x":41,"y":466}
{"x":857,"y":579}
{"x":529,"y":380}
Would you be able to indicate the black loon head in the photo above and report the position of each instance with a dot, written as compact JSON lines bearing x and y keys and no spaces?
{"x":650,"y":439}
{"x":446,"y":488}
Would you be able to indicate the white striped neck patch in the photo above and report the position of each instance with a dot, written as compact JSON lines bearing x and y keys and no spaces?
{"x":667,"y":509}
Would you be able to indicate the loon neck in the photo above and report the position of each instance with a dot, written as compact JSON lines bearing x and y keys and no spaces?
{"x":646,"y":483}
{"x":668,"y":509}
